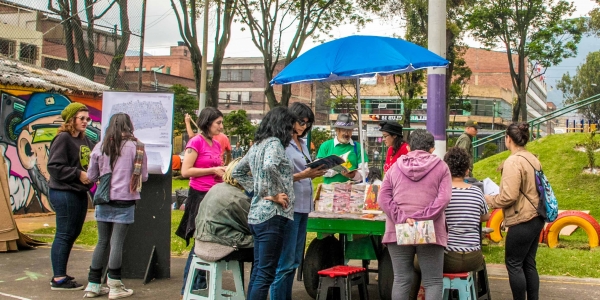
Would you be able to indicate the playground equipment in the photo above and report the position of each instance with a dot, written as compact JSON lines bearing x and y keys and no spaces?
{"x":551,"y":231}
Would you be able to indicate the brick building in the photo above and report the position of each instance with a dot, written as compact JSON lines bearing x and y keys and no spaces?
{"x":37,"y":37}
{"x":177,"y":63}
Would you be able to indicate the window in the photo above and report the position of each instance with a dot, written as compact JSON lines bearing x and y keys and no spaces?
{"x":28,"y":53}
{"x":236,"y":75}
{"x":234,"y":97}
{"x":7,"y":48}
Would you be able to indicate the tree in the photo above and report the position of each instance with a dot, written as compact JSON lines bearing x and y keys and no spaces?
{"x":584,"y":84}
{"x":594,"y":21}
{"x":457,"y":100}
{"x":537,"y":32}
{"x":407,"y":86}
{"x":343,"y":97}
{"x":79,"y":45}
{"x":237,"y":123}
{"x":318,"y":136}
{"x":267,"y":20}
{"x":225,"y":14}
{"x":184,"y":104}
{"x":115,"y":63}
{"x":187,"y":17}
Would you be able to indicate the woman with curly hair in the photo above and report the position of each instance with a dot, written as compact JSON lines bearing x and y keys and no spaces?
{"x":267,"y":171}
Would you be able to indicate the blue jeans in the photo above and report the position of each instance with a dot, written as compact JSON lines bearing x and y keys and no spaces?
{"x":200,"y":280}
{"x":291,"y":256}
{"x":71,"y":209}
{"x":268,"y":243}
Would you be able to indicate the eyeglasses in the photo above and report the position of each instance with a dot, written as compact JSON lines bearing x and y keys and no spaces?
{"x":302,"y":123}
{"x":385,"y":136}
{"x":84,"y":118}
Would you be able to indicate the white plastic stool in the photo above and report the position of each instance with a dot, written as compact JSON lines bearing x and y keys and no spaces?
{"x":214,"y":280}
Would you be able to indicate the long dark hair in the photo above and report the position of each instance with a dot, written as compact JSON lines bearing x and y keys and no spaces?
{"x":120,"y":128}
{"x":301,"y":111}
{"x":279,"y":123}
{"x":207,"y":116}
{"x":398,"y":141}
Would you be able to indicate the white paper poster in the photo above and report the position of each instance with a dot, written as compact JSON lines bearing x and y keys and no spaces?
{"x":152,"y":117}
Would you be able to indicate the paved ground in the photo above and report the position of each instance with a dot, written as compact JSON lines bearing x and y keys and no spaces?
{"x":26,"y":274}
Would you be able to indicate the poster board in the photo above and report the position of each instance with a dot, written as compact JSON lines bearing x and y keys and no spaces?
{"x":152,"y":117}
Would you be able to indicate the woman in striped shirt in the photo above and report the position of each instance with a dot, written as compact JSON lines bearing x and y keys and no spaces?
{"x":464,"y":214}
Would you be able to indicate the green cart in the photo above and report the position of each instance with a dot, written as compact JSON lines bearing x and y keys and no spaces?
{"x":344,"y":237}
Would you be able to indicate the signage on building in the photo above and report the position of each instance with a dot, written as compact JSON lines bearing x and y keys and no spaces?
{"x":373,"y":130}
{"x":385,"y":117}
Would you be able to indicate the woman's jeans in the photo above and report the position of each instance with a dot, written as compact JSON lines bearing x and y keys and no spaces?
{"x":71,"y":209}
{"x":520,"y":250}
{"x":431,"y":261}
{"x":291,"y":256}
{"x":269,"y":237}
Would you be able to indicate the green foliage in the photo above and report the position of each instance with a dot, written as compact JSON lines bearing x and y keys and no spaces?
{"x":318,"y":136}
{"x":269,"y":20}
{"x":237,"y":123}
{"x":489,"y":149}
{"x":562,"y":165}
{"x":590,"y":150}
{"x":594,"y":21}
{"x":584,"y":84}
{"x":407,"y":87}
{"x":343,"y":97}
{"x":538,"y":31}
{"x":184,"y":103}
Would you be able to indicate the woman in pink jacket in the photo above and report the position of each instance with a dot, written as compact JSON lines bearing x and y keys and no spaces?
{"x":417,"y":187}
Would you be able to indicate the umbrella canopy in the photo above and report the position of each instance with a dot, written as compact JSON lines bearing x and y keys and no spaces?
{"x":358,"y":56}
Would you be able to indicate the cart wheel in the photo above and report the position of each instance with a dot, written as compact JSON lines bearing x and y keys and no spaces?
{"x":321,"y":254}
{"x":385,"y":273}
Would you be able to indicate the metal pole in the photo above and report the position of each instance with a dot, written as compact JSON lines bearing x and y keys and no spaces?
{"x":143,"y":30}
{"x":204,"y":58}
{"x":493,"y":114}
{"x":360,"y":133}
{"x":436,"y":77}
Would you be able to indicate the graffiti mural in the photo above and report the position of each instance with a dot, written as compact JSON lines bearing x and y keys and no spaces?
{"x":29,"y":121}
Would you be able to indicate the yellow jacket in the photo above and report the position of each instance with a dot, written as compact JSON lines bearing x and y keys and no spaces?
{"x":518,"y":178}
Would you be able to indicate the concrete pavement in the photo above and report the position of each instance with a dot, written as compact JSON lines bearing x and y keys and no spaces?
{"x":26,"y":274}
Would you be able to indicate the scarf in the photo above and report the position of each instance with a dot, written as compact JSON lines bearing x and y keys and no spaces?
{"x":135,"y":184}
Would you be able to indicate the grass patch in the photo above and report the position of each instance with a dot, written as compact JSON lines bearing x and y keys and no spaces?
{"x":180,"y":184}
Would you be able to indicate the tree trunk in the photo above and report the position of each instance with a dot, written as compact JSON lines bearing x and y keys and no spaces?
{"x":115,"y":64}
{"x":270,"y":94}
{"x":68,"y":32}
{"x":221,"y":44}
{"x":406,"y":118}
{"x":286,"y":94}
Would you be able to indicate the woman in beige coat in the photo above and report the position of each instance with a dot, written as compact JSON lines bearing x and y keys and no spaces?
{"x":518,"y":199}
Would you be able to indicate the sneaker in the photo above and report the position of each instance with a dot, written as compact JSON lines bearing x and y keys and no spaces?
{"x":68,"y":283}
{"x":94,"y":290}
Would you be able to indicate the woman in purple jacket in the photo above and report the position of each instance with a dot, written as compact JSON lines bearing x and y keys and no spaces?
{"x":417,"y":187}
{"x":122,"y":155}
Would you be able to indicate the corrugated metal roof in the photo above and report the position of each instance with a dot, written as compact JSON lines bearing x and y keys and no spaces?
{"x":22,"y":74}
{"x":242,"y":61}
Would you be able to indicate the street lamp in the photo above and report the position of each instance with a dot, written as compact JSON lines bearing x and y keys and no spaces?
{"x":156,"y":80}
{"x":493,"y":113}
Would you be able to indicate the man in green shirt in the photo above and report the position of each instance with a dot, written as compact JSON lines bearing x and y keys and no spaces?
{"x":465,"y":141}
{"x":341,"y":144}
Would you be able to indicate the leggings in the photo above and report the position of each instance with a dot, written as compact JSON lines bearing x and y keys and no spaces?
{"x":520,"y":250}
{"x":431,"y":260}
{"x":113,"y":234}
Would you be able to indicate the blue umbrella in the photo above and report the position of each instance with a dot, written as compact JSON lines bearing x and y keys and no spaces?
{"x":355,"y":57}
{"x":358,"y":56}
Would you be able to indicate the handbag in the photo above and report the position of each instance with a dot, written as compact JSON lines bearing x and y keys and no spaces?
{"x":102,"y":195}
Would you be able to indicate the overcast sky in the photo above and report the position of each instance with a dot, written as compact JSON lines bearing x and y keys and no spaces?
{"x":162,"y":32}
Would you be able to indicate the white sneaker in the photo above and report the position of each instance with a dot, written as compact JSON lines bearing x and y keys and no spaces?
{"x":94,"y":290}
{"x":117,"y":289}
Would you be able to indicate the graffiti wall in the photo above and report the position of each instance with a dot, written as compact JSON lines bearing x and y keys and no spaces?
{"x":29,"y":120}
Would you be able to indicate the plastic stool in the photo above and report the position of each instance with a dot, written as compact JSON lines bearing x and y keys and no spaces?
{"x":344,"y":278}
{"x":463,"y":282}
{"x":214,"y":280}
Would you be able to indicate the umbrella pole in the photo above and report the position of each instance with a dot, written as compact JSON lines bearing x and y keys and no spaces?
{"x":360,"y":132}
